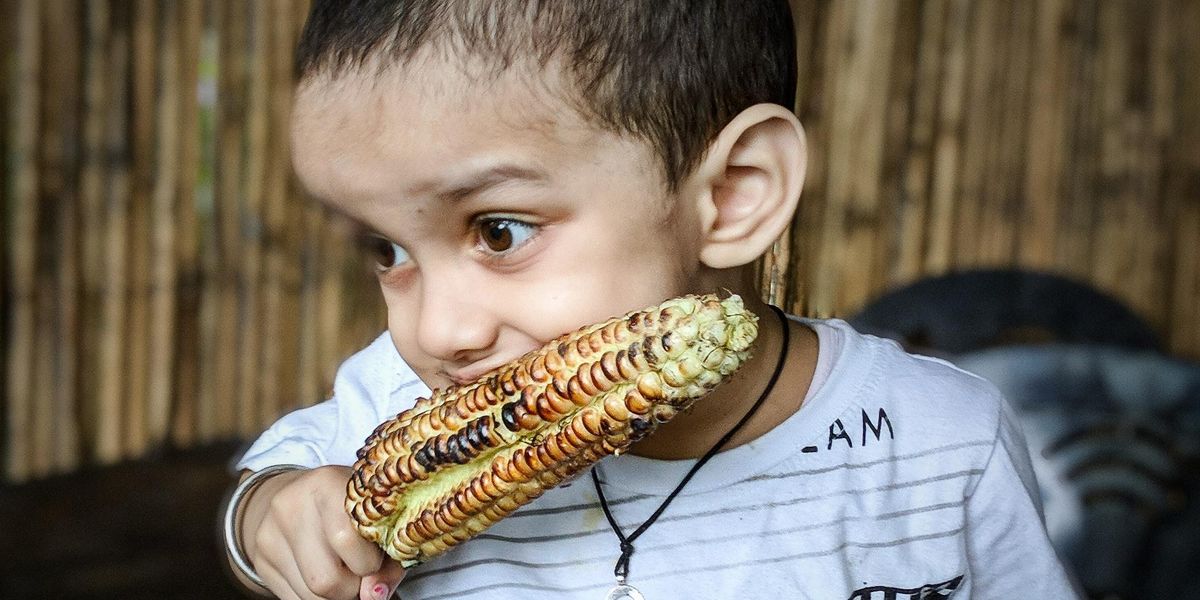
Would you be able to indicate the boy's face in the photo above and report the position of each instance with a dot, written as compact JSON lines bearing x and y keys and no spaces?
{"x":505,"y":220}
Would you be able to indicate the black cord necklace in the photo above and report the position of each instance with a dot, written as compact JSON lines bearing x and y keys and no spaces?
{"x":621,"y":570}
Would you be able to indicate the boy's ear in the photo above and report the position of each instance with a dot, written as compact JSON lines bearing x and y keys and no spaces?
{"x":749,"y":184}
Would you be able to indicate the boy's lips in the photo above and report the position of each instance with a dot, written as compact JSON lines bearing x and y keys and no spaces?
{"x":470,"y":373}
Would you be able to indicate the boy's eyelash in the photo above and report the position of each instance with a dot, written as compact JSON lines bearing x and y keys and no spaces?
{"x":376,"y":248}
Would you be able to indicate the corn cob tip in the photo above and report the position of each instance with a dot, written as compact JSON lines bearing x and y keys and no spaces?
{"x":742,"y":324}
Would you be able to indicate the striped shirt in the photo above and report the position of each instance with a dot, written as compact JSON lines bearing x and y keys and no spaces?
{"x":900,"y":477}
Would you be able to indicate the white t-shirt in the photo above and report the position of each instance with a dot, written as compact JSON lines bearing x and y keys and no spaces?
{"x":900,"y":477}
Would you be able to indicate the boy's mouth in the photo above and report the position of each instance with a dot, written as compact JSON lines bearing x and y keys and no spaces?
{"x":469,"y":373}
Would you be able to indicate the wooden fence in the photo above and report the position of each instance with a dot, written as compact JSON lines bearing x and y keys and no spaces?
{"x":164,"y":281}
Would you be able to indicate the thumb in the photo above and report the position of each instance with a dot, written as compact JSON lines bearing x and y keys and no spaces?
{"x":381,"y":584}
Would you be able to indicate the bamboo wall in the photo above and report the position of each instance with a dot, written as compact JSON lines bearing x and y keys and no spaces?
{"x":164,"y":282}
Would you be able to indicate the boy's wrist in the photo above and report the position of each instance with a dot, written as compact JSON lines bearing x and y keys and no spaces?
{"x":235,"y":511}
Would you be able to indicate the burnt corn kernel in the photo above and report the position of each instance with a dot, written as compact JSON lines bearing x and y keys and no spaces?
{"x":446,"y":469}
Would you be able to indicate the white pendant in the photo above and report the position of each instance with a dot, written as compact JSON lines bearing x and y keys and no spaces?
{"x":624,"y":591}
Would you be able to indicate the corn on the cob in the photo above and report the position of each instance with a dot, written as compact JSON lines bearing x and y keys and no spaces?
{"x":443,"y":471}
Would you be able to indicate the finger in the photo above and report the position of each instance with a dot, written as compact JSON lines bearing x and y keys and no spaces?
{"x":322,"y":573}
{"x":360,"y":556}
{"x":291,"y":581}
{"x":312,"y":569}
{"x":277,"y":583}
{"x":370,"y":589}
{"x":269,"y":537}
{"x":380,"y":585}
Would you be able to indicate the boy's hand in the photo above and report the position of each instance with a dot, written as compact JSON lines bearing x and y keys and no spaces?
{"x":298,"y":537}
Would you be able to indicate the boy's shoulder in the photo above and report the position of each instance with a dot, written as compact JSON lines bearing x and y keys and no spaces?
{"x":925,"y":401}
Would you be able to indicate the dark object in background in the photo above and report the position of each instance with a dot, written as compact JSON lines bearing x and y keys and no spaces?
{"x":1115,"y":438}
{"x":1113,"y":425}
{"x":138,"y":530}
{"x":971,"y":310}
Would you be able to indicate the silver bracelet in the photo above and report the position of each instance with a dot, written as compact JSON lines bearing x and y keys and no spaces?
{"x":233,"y":545}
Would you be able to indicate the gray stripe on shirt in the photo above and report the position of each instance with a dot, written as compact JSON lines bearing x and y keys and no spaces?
{"x":724,"y":537}
{"x":739,"y":508}
{"x":705,"y":569}
{"x":763,"y":477}
{"x":864,"y":465}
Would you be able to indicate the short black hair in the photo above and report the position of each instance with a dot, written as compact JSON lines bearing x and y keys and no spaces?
{"x":671,"y":72}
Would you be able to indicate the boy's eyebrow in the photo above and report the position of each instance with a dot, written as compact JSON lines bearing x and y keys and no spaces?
{"x":488,"y":178}
{"x":456,"y":192}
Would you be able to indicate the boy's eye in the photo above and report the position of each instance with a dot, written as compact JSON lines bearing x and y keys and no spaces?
{"x":385,"y":253}
{"x":504,"y":235}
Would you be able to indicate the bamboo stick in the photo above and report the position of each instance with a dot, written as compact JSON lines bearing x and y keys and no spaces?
{"x":977,"y":139}
{"x":299,"y":211}
{"x":55,"y":421}
{"x":272,"y":294}
{"x":1109,"y":265}
{"x":308,"y":388}
{"x":279,"y":359}
{"x":998,"y":233}
{"x":228,"y":216}
{"x":806,"y":232}
{"x":23,"y":245}
{"x":944,"y":185}
{"x":990,"y":236}
{"x":918,"y":168}
{"x":47,"y":186}
{"x":1182,"y":174}
{"x":1046,"y":137}
{"x":111,"y":407}
{"x":208,"y":212}
{"x":7,"y":40}
{"x":335,"y":263}
{"x":1149,"y":239}
{"x":250,"y":266}
{"x":1160,"y":37}
{"x":308,"y":366}
{"x":91,"y":199}
{"x":164,"y":275}
{"x":1078,"y":219}
{"x":856,"y":157}
{"x":41,"y":452}
{"x":137,"y":335}
{"x":892,"y":201}
{"x":828,"y":258}
{"x":183,"y":422}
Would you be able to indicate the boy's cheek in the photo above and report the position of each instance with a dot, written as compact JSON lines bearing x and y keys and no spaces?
{"x":573,"y":284}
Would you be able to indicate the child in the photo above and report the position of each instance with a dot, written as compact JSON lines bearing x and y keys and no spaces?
{"x":526,"y":168}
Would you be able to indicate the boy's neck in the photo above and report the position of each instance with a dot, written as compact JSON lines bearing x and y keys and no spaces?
{"x":691,"y":434}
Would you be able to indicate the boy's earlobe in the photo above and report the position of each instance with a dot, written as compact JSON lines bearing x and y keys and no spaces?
{"x":752,"y":173}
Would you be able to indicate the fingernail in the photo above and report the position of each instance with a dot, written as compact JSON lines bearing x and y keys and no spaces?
{"x":381,"y":591}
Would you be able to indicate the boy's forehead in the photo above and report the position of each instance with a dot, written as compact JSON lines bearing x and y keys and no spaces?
{"x":429,"y":93}
{"x":433,"y":117}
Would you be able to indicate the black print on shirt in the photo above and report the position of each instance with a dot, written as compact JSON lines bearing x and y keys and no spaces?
{"x":944,"y":589}
{"x":876,"y":427}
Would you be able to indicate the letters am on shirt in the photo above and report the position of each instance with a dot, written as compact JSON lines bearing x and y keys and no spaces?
{"x":872,"y":431}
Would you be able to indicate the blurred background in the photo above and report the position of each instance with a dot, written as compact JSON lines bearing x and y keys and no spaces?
{"x":1014,"y":186}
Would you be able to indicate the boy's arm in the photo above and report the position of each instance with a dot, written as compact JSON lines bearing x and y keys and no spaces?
{"x":370,"y":386}
{"x":1008,"y":549}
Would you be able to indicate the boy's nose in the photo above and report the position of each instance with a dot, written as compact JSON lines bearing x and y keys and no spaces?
{"x":455,"y":325}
